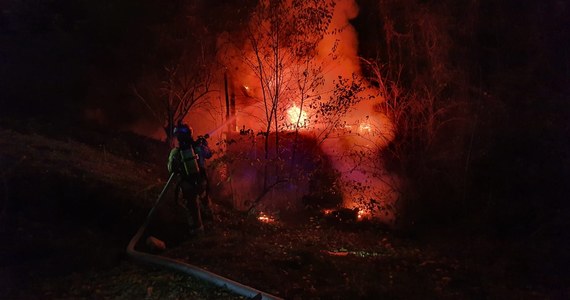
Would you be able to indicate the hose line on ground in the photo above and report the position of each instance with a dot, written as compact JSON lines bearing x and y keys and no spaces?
{"x":197,"y":272}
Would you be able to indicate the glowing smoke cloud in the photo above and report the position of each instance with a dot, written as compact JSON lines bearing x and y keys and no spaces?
{"x":353,"y":148}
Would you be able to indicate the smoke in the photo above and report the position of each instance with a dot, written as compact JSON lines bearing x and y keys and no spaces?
{"x":343,"y":41}
{"x":354,"y":149}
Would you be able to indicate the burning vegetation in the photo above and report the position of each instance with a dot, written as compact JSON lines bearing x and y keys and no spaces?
{"x":292,"y":75}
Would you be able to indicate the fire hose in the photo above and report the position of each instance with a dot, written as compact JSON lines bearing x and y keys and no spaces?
{"x":197,"y":272}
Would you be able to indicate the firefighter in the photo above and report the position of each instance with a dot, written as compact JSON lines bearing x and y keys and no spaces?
{"x":188,"y":162}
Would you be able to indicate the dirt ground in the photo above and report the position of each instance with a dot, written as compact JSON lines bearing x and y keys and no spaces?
{"x":69,"y":209}
{"x":316,"y":257}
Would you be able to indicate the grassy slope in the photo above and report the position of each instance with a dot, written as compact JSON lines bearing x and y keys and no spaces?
{"x":68,"y":211}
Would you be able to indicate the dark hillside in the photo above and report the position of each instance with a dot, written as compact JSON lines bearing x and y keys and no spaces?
{"x":71,"y":199}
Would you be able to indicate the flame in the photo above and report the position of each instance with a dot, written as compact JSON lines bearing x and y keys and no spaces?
{"x":365,"y":127}
{"x":362,"y":214}
{"x":297,"y":115}
{"x":247,"y":90}
{"x":265,"y":218}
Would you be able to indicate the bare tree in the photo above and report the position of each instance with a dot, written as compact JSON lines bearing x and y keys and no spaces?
{"x":283,"y":37}
{"x":185,"y":79}
{"x":426,"y":99}
{"x":186,"y":88}
{"x":280,"y":47}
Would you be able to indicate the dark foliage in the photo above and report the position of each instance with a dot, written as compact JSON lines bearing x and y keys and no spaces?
{"x":505,"y":65}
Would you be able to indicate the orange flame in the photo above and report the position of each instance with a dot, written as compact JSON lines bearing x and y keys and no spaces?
{"x":265,"y":218}
{"x":365,"y":127}
{"x":362,"y":215}
{"x":295,"y":115}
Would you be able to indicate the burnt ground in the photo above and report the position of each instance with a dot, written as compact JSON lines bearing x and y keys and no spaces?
{"x":71,"y":202}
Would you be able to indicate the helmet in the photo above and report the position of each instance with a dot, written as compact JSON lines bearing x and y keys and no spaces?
{"x":182,"y":129}
{"x":183,"y":134}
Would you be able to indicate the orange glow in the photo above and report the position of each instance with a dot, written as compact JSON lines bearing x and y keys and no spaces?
{"x":247,"y":91}
{"x":265,"y":218}
{"x":351,"y":139}
{"x":295,"y":115}
{"x":365,"y":127}
{"x":362,"y":215}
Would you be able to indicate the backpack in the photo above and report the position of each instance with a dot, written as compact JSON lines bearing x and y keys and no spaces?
{"x":189,"y":161}
{"x":184,"y":162}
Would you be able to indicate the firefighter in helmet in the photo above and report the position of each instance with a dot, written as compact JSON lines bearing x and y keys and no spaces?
{"x":188,"y":161}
